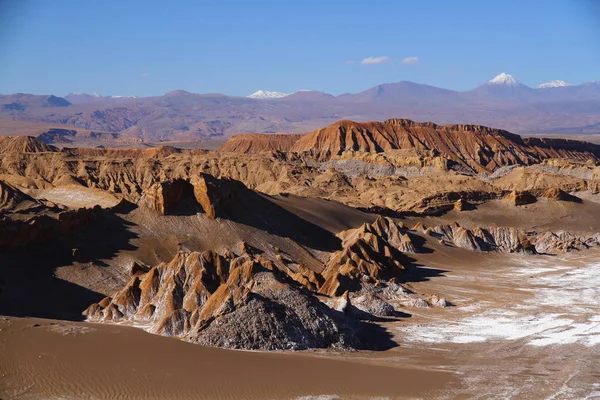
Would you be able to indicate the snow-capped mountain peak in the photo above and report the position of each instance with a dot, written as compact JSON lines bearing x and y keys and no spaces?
{"x":554,"y":84}
{"x":266,"y":95}
{"x":504,"y":79}
{"x":123,"y":97}
{"x":82,"y":94}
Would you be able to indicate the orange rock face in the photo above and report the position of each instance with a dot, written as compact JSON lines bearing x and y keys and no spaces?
{"x":372,"y":252}
{"x":179,"y":196}
{"x":24,"y":144}
{"x":256,"y":143}
{"x":561,"y":195}
{"x":477,"y":148}
{"x":520,"y":198}
{"x":236,"y":302}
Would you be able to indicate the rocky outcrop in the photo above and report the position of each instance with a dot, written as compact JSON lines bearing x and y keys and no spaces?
{"x":249,"y":143}
{"x":562,"y":242}
{"x":371,"y":304}
{"x":24,"y":144}
{"x":12,"y":199}
{"x":370,"y":253}
{"x":402,"y":162}
{"x":415,"y":181}
{"x":382,"y":299}
{"x":166,"y":197}
{"x":463,"y":205}
{"x":240,"y":302}
{"x":306,"y":277}
{"x":18,"y":233}
{"x":214,"y":195}
{"x":561,"y":195}
{"x":478,"y":148}
{"x":516,"y":198}
{"x":442,"y":202}
{"x":200,"y":193}
{"x":510,"y":240}
{"x":501,"y":239}
{"x":547,"y":148}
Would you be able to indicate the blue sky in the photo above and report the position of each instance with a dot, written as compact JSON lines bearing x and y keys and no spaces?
{"x":130,"y":47}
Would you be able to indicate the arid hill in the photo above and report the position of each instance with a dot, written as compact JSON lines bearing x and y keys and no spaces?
{"x":152,"y":152}
{"x":24,"y":144}
{"x":414,"y":180}
{"x":478,"y":148}
{"x":257,"y":143}
{"x":12,"y":199}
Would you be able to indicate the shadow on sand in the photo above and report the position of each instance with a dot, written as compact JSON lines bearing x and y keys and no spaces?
{"x":28,"y":285}
{"x":259,"y":211}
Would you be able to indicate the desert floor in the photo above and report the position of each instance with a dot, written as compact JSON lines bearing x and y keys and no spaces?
{"x":520,"y":327}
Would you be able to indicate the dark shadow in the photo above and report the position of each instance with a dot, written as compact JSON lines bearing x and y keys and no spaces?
{"x":179,"y":198}
{"x":374,"y":337}
{"x":419,"y":242}
{"x":250,"y":208}
{"x":124,"y":207}
{"x":30,"y":287}
{"x":386,"y":212}
{"x":371,"y":335}
{"x":357,"y":313}
{"x":232,"y":200}
{"x":421,"y":274}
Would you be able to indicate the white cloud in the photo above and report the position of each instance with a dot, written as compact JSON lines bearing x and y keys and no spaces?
{"x":376,"y":60}
{"x":410,"y":60}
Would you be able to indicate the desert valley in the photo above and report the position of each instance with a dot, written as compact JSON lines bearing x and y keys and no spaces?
{"x":299,"y":200}
{"x":429,"y":257}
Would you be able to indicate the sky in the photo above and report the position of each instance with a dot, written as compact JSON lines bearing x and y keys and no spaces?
{"x":143,"y":48}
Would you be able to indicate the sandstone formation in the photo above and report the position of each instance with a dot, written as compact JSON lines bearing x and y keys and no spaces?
{"x":562,"y":242}
{"x":37,"y":229}
{"x":477,"y":148}
{"x":502,"y":239}
{"x":153,"y":152}
{"x":561,"y":195}
{"x":257,"y":143}
{"x":249,"y":301}
{"x":370,"y":253}
{"x":12,"y":199}
{"x":24,"y":144}
{"x":165,"y":197}
{"x":520,"y":198}
{"x":511,"y":240}
{"x":201,"y":193}
{"x":239,"y":302}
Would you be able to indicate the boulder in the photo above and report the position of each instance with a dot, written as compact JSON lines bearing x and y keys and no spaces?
{"x":560,"y":195}
{"x":520,"y":198}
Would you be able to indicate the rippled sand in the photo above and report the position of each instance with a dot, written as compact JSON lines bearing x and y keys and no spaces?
{"x":44,"y":359}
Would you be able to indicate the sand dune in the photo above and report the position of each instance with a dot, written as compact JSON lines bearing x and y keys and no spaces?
{"x":45,"y":359}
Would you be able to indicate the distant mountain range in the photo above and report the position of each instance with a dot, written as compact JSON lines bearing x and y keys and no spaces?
{"x":502,"y":85}
{"x":502,"y":102}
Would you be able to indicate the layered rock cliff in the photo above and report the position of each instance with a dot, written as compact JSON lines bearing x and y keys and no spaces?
{"x":477,"y":148}
{"x":24,"y":144}
{"x":510,"y":240}
{"x":248,"y":143}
